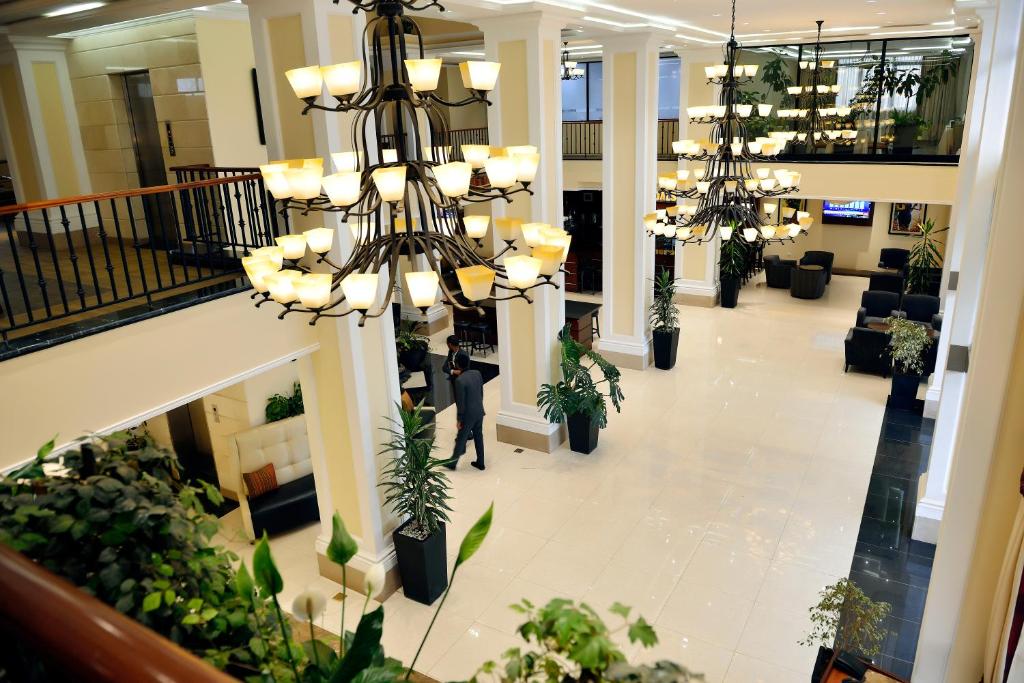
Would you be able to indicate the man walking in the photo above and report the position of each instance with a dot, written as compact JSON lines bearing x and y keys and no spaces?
{"x":469,"y":406}
{"x":454,"y":350}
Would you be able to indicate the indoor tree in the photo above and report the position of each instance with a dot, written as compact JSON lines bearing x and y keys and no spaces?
{"x":925,"y":259}
{"x":732,"y":265}
{"x":664,"y":319}
{"x":847,"y":620}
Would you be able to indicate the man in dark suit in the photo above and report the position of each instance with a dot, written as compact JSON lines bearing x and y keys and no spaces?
{"x":469,"y":404}
{"x":454,"y":350}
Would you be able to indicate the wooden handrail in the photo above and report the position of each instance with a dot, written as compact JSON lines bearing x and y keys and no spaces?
{"x":209,"y":167}
{"x":84,"y":636}
{"x":141,"y":192}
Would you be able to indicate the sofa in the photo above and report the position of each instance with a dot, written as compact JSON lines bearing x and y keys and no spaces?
{"x":868,"y":349}
{"x":808,"y":283}
{"x":875,"y":307}
{"x":825,"y":259}
{"x":778,"y":271}
{"x":285,"y":444}
{"x":893,"y":259}
{"x":923,"y":309}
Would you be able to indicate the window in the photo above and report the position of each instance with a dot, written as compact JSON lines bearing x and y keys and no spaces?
{"x":668,"y":88}
{"x":582,"y":99}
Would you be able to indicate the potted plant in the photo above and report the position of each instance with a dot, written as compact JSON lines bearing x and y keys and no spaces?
{"x":577,"y":400}
{"x":281,"y":407}
{"x":906,"y":127}
{"x":416,"y":486}
{"x":924,"y":266}
{"x":732,"y":264}
{"x":412,"y":346}
{"x":846,"y":620}
{"x":664,"y":321}
{"x":908,"y":344}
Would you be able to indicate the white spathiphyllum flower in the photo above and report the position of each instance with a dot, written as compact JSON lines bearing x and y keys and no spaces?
{"x":374,"y":581}
{"x":309,"y":605}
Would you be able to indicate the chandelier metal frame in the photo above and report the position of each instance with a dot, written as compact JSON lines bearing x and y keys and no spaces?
{"x":569,"y":69}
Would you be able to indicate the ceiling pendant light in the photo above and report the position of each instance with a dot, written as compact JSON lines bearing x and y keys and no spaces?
{"x":569,"y":69}
{"x":728,"y":189}
{"x":401,"y":193}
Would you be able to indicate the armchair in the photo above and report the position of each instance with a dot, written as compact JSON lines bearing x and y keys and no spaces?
{"x":808,"y":283}
{"x":875,"y":307}
{"x":868,"y":349}
{"x":887,"y":282}
{"x":893,"y":259}
{"x":777,"y":271}
{"x":825,"y":259}
{"x":922,"y":308}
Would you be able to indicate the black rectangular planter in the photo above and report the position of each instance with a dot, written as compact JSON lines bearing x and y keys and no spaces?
{"x":666,"y":345}
{"x":423,"y":565}
{"x":730,"y":292}
{"x":904,"y":389}
{"x":582,"y":433}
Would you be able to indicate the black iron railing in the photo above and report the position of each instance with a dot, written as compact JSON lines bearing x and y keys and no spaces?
{"x":66,"y":264}
{"x":582,"y":140}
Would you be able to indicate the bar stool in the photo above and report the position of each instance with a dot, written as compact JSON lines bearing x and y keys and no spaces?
{"x":462,"y":331}
{"x":595,"y":324}
{"x":478,"y":338}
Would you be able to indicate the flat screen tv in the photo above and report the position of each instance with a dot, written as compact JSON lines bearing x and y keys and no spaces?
{"x":848,"y":213}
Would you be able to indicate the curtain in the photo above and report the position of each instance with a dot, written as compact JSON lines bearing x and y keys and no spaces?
{"x":938,"y":108}
{"x":1004,"y":660}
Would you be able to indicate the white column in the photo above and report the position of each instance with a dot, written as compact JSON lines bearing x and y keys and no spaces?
{"x":984,"y":486}
{"x":527,"y":109}
{"x":984,"y":148}
{"x":354,"y":375}
{"x":630,"y":190}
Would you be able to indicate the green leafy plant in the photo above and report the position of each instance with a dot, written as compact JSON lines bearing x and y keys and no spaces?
{"x":910,"y":82}
{"x":908,"y":344}
{"x":775,"y":74}
{"x":732,"y":261}
{"x":569,"y":642}
{"x":849,"y":620}
{"x":664,"y":314}
{"x":415,"y":483}
{"x":280,"y":407}
{"x":659,"y":672}
{"x":118,"y":522}
{"x":577,"y":393}
{"x":924,"y":258}
{"x":408,"y":338}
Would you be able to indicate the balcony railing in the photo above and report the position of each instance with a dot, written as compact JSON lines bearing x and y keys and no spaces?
{"x":582,"y":140}
{"x":76,"y":266}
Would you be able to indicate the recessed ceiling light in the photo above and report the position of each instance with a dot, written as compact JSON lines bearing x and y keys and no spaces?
{"x":879,"y":13}
{"x":72,"y":9}
{"x":717,"y":14}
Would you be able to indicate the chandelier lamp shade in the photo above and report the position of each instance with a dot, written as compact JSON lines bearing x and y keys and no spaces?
{"x":730,"y":191}
{"x":401,"y":190}
{"x":569,"y":69}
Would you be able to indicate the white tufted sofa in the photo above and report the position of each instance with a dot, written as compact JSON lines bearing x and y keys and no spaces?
{"x":286,"y":445}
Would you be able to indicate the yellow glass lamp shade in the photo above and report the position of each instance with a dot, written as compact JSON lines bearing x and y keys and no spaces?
{"x":532,"y":233}
{"x":502,"y":171}
{"x":703,"y":187}
{"x":768,"y":184}
{"x":423,"y":73}
{"x":764,"y":109}
{"x":522,"y":271}
{"x":769,"y":208}
{"x":476,"y":155}
{"x":361,"y":229}
{"x":750,"y":184}
{"x":274,"y":167}
{"x":273,"y":255}
{"x":651,"y":222}
{"x":304,"y":183}
{"x":698,"y":173}
{"x":346,"y":162}
{"x":763,"y":173}
{"x":343,"y":189}
{"x":281,"y":285}
{"x":562,"y":241}
{"x":682,"y":175}
{"x":258,"y":273}
{"x":320,"y":240}
{"x":277,"y":184}
{"x":453,"y":178}
{"x":476,"y":226}
{"x":526,"y":166}
{"x":750,"y":234}
{"x":307,"y":82}
{"x":507,"y":228}
{"x":478,"y":75}
{"x":390,"y":183}
{"x":768,"y":231}
{"x":550,"y":258}
{"x":251,"y":262}
{"x":342,"y":79}
{"x":726,"y":233}
{"x":684,"y":233}
{"x":805,"y":222}
{"x":314,"y":290}
{"x":475,"y":281}
{"x":294,"y":246}
{"x":422,"y":288}
{"x":389,"y":156}
{"x":744,"y":110}
{"x":667,"y":182}
{"x":795,"y":89}
{"x":360,"y":290}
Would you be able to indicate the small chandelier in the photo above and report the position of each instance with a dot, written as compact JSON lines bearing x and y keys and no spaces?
{"x":819,"y":122}
{"x":570,"y":70}
{"x":402,"y":191}
{"x":728,"y":190}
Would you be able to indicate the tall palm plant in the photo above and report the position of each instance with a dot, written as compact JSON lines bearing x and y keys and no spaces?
{"x":924,"y":259}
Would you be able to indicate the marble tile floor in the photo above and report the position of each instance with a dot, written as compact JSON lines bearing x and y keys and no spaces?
{"x":723,"y":498}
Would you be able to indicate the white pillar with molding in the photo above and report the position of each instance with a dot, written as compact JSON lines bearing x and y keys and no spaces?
{"x":629,"y":169}
{"x":352,"y":382}
{"x":984,"y":154}
{"x":527,"y":109}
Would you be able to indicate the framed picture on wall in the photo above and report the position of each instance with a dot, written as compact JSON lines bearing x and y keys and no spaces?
{"x":906,"y":217}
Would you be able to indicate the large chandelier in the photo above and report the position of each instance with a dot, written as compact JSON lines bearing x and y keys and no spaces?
{"x":728,"y":190}
{"x":819,"y":121}
{"x":569,"y":70}
{"x":402,"y":190}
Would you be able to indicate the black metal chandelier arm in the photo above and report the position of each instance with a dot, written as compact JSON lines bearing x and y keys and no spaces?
{"x":475,"y":98}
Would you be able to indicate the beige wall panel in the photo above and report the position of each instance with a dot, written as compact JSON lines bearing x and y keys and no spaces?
{"x":287,"y":53}
{"x":624,"y":72}
{"x":17,"y":123}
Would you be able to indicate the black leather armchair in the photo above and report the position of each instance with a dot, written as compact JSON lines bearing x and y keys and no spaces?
{"x":777,"y":271}
{"x":886,"y":282}
{"x":808,"y":283}
{"x":868,"y":349}
{"x":894,"y":259}
{"x":922,"y":308}
{"x":875,"y":307}
{"x":825,"y":259}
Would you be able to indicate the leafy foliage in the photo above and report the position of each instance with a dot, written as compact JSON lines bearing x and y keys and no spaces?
{"x":664,"y":314}
{"x":732,"y":262}
{"x":908,"y":344}
{"x":924,"y":259}
{"x":120,"y":524}
{"x":408,"y":338}
{"x":849,"y":619}
{"x":570,"y":643}
{"x":908,"y":81}
{"x":280,"y":407}
{"x":775,"y":74}
{"x":577,"y":393}
{"x":415,"y":483}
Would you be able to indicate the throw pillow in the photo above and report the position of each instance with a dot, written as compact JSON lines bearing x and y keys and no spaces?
{"x":263,"y":480}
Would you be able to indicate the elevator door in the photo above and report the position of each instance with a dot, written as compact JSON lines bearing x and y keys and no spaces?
{"x":160,"y":213}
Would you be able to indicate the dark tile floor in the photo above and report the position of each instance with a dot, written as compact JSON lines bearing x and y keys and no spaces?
{"x":887,"y":563}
